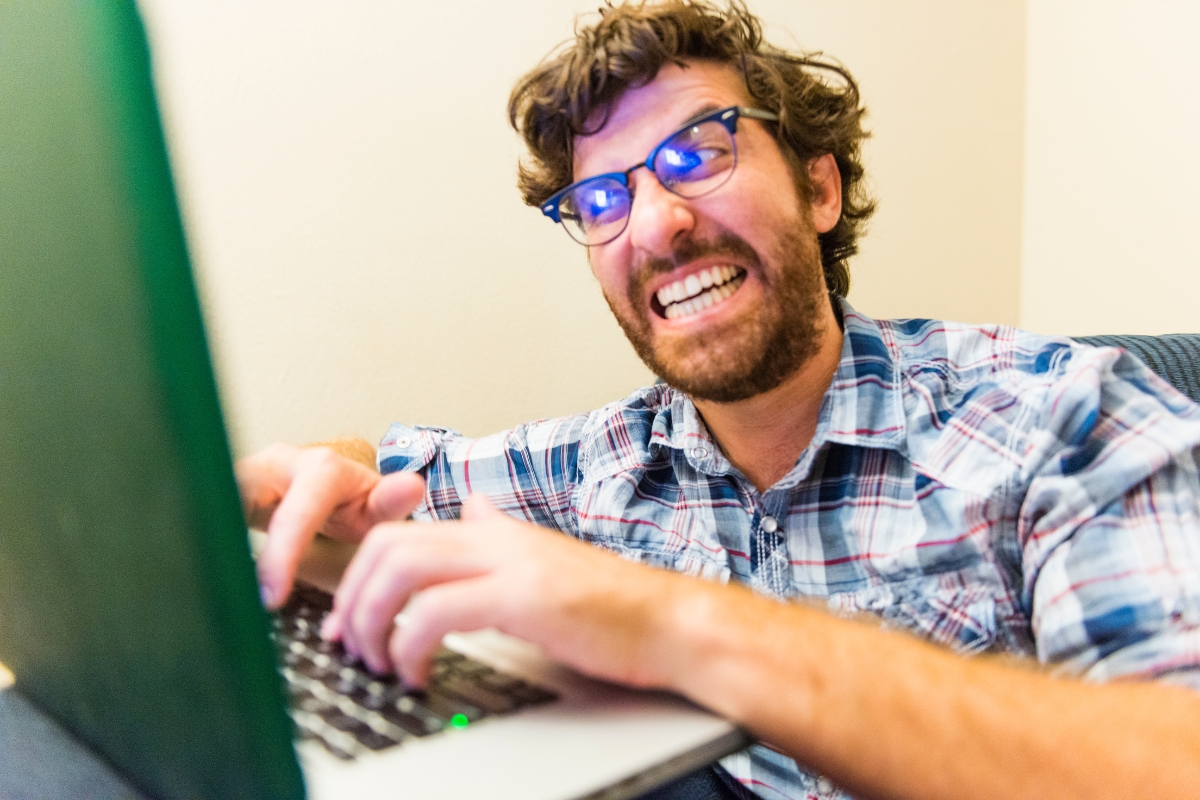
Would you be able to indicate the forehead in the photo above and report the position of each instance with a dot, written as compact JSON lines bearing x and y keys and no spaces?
{"x":644,"y":115}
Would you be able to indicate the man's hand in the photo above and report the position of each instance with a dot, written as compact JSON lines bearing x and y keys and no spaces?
{"x":293,"y":492}
{"x":587,"y":608}
{"x":879,"y":712}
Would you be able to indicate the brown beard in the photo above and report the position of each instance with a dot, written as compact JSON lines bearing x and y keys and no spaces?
{"x":763,"y":350}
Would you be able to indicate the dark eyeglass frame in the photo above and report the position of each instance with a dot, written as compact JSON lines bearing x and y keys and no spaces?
{"x":728,"y":117}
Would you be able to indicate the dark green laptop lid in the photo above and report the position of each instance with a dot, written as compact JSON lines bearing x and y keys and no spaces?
{"x":128,"y":603}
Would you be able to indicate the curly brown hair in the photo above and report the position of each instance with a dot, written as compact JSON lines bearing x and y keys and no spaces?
{"x":571,"y":93}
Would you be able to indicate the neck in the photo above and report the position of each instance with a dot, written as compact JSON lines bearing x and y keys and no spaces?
{"x":764,"y":435}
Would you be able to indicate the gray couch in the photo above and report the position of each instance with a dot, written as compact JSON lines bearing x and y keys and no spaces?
{"x":1174,"y":356}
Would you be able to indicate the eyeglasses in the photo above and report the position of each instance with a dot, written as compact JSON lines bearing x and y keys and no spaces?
{"x":691,"y":162}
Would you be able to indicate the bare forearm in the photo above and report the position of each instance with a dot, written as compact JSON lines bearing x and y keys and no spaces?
{"x":351,"y":447}
{"x":886,"y":715}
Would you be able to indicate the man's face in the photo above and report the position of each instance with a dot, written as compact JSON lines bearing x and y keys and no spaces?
{"x":754,"y":236}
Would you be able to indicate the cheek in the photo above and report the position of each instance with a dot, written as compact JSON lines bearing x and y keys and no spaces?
{"x":761,"y":196}
{"x":608,"y":273}
{"x":770,"y":191}
{"x":785,"y":201}
{"x":757,"y":215}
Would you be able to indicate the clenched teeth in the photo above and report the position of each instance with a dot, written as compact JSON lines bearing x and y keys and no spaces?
{"x":699,"y":290}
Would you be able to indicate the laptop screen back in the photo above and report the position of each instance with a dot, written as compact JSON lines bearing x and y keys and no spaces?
{"x":128,"y":604}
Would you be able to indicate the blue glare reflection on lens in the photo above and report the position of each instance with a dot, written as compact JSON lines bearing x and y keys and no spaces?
{"x":681,"y":159}
{"x":601,"y":202}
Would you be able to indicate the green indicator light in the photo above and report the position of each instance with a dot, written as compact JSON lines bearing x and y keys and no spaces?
{"x":459,"y":721}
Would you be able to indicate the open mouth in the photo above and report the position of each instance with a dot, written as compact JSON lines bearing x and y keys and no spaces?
{"x":698,"y":291}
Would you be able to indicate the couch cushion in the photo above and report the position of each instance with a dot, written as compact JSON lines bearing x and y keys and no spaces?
{"x":1174,"y":356}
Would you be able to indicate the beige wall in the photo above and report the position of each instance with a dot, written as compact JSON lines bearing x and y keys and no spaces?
{"x":943,"y":82}
{"x":331,"y":156}
{"x":1112,"y":171}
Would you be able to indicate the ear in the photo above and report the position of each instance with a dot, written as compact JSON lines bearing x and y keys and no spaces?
{"x":826,"y":183}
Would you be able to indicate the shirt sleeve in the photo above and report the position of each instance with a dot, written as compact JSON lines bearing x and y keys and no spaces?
{"x":529,"y":472}
{"x":1110,"y":524}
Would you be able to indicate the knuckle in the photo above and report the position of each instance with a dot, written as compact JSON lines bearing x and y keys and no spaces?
{"x":422,"y":607}
{"x":377,"y":537}
{"x":379,"y":542}
{"x":423,"y":617}
{"x":321,"y":458}
{"x":376,"y":608}
{"x":400,"y":569}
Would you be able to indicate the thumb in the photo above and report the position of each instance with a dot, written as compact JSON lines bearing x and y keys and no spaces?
{"x":477,"y":508}
{"x":396,"y":496}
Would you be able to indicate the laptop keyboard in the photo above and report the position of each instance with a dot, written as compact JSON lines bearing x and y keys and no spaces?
{"x":338,"y":702}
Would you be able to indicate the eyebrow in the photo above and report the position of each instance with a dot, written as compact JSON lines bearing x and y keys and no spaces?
{"x":704,"y":111}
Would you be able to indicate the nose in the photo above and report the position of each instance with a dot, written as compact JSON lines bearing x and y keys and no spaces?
{"x":657,"y":217}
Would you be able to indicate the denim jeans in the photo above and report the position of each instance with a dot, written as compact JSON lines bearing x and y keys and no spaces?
{"x":709,"y":783}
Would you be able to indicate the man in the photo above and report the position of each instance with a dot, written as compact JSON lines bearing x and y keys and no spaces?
{"x":982,"y":488}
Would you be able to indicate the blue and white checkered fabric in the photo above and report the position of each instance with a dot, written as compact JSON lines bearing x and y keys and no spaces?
{"x":982,"y":487}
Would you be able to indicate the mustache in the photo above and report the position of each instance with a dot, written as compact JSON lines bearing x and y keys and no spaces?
{"x":690,"y":249}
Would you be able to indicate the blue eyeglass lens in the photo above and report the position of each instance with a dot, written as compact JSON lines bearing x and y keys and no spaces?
{"x":696,"y":160}
{"x":595,"y":209}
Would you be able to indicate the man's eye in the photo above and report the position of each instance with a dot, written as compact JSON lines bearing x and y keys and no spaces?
{"x":678,"y":160}
{"x":680,"y":164}
{"x":598,"y":205}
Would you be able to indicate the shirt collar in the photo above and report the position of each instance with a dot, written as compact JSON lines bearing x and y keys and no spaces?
{"x":865,"y":402}
{"x":678,"y":426}
{"x":864,"y":405}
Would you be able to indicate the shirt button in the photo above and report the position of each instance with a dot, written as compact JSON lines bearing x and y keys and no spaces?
{"x":699,"y":452}
{"x":403,"y":441}
{"x":769,"y":524}
{"x":824,"y":785}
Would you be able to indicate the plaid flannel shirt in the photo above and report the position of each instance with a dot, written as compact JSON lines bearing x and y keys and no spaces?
{"x":982,"y":487}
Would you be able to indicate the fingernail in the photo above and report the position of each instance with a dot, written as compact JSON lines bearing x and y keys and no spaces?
{"x":268,"y":597}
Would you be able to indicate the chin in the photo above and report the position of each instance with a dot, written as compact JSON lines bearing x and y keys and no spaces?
{"x":729,"y":366}
{"x":726,"y":376}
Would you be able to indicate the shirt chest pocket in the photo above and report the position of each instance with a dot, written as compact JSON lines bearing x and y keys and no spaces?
{"x":652,"y":522}
{"x":949,"y":610}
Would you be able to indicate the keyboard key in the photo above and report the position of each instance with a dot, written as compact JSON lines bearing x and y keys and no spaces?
{"x":446,"y":705}
{"x":411,"y":721}
{"x":373,"y":740}
{"x":312,"y":705}
{"x":339,"y":720}
{"x":338,"y":702}
{"x":489,"y":701}
{"x":528,"y":695}
{"x":499,"y":682}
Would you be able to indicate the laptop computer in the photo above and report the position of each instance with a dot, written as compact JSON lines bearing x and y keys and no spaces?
{"x":129,"y":609}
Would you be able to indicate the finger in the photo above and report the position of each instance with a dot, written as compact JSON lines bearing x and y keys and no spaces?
{"x":321,"y":481}
{"x":416,"y":559}
{"x":368,"y":623}
{"x":393,"y":498}
{"x":262,"y":480}
{"x":478,"y":508}
{"x":405,"y":555}
{"x":396,"y":496}
{"x":366,"y":558}
{"x":465,"y":605}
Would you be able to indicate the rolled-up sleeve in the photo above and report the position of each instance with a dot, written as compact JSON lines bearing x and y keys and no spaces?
{"x":529,"y":472}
